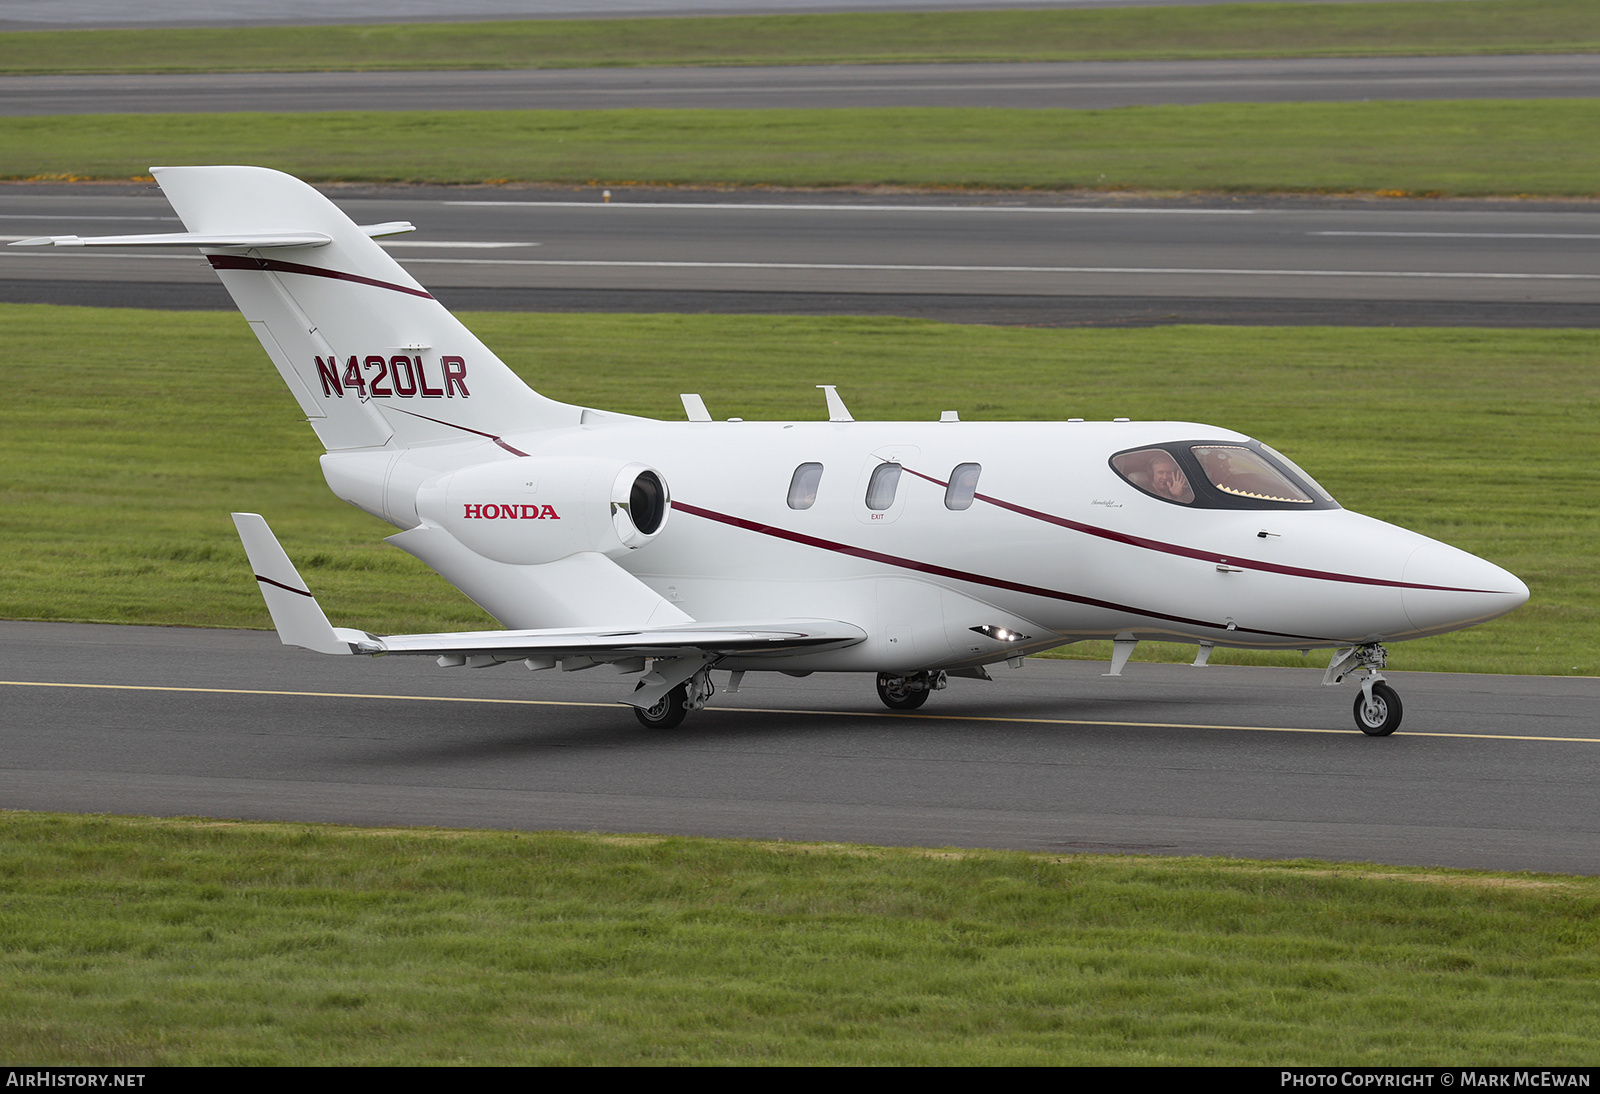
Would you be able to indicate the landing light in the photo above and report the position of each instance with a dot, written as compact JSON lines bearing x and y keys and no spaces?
{"x":1000,"y":634}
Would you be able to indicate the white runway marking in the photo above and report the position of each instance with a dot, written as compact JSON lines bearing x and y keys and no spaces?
{"x":1468,"y":235}
{"x":449,"y":245}
{"x":889,"y":267}
{"x":886,"y":267}
{"x":769,"y":206}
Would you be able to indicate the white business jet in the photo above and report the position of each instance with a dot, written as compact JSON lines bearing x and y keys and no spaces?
{"x":918,"y":551}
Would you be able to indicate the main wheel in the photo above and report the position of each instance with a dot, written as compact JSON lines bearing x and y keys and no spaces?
{"x":898,"y":694}
{"x":668,"y":713}
{"x":1380,"y":717}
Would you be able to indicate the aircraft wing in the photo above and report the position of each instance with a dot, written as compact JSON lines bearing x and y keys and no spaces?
{"x":301,"y":622}
{"x":484,"y":647}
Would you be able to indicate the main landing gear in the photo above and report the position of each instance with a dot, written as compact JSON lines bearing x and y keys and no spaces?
{"x":909,"y":692}
{"x":669,"y":713}
{"x":671,"y":709}
{"x":1377,"y":707}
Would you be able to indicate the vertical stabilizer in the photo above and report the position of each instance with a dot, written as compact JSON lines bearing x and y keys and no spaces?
{"x":369,"y":355}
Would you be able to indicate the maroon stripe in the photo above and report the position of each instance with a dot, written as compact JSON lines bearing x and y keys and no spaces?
{"x":239,"y":262}
{"x":464,"y":429}
{"x":965,"y":575}
{"x":281,"y":585}
{"x":1203,"y":556}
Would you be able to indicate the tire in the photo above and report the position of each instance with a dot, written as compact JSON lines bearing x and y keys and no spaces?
{"x":668,"y":713}
{"x":1382,"y":717}
{"x":896,"y":695}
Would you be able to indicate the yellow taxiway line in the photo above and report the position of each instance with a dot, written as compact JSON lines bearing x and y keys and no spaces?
{"x":780,"y":710}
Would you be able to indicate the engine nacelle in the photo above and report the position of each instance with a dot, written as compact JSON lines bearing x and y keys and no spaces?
{"x":539,"y":509}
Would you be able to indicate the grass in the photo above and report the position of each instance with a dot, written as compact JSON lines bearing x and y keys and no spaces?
{"x":122,"y":463}
{"x":1233,"y":30}
{"x":1434,"y":148}
{"x":135,"y":942}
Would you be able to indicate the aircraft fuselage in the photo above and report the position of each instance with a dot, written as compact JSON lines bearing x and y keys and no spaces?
{"x":1054,"y":545}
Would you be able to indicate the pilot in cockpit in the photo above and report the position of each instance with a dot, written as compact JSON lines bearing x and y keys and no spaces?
{"x":1167,"y":479}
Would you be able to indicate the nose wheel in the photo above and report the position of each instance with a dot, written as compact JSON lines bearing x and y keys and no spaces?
{"x":1377,"y":710}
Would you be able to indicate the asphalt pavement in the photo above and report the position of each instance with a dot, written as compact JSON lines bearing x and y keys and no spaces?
{"x":1005,"y":258}
{"x":1487,"y":771}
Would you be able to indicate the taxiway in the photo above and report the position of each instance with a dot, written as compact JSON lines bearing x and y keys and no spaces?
{"x":1488,"y":771}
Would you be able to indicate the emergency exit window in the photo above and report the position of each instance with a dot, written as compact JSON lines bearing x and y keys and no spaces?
{"x":881,"y":487}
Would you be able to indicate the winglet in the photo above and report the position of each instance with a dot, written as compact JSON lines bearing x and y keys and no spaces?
{"x":295,"y":612}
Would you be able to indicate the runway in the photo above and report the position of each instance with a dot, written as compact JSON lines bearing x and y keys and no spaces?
{"x":1007,"y":258}
{"x":1090,"y":85}
{"x":1488,"y":772}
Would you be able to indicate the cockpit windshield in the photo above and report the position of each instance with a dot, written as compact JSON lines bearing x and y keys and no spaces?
{"x":1245,"y":473}
{"x":1154,"y":471}
{"x":1220,"y":475}
{"x":1297,"y":472}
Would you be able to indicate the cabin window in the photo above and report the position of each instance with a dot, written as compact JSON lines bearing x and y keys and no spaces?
{"x":882,"y":485}
{"x":1244,"y":473}
{"x":1154,"y":471}
{"x":803,"y":486}
{"x":963,"y":486}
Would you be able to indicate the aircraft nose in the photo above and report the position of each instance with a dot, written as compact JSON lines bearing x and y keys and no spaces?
{"x":1448,"y":589}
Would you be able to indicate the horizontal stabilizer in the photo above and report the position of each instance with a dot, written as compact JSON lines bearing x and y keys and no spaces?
{"x":264,"y":238}
{"x":295,"y":612}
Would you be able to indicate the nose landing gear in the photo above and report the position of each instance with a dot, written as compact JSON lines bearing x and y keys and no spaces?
{"x":1377,"y":708}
